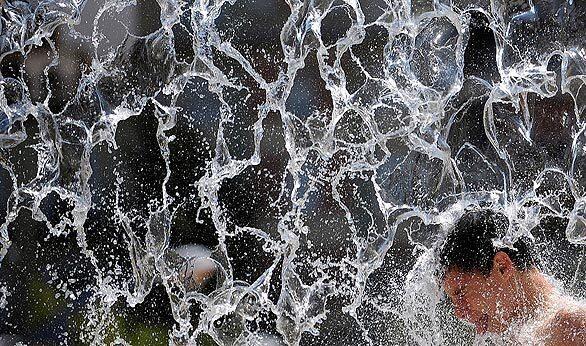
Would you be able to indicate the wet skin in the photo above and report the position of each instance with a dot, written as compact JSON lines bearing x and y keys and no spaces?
{"x":491,"y":302}
{"x":479,"y":299}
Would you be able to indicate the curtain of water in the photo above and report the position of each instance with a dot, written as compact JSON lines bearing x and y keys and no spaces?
{"x":277,"y":172}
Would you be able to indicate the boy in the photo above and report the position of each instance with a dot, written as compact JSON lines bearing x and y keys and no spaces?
{"x":501,"y":290}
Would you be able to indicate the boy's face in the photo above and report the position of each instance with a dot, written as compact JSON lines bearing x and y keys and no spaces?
{"x":483,"y":300}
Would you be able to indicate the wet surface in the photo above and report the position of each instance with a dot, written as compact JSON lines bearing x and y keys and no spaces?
{"x":270,"y":172}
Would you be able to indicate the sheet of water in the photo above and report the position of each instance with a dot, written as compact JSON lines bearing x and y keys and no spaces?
{"x":281,"y":172}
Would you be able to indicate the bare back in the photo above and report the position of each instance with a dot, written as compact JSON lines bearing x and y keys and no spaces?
{"x":567,"y":327}
{"x":562,"y":324}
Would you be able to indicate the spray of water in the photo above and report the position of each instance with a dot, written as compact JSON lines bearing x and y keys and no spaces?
{"x":283,"y":171}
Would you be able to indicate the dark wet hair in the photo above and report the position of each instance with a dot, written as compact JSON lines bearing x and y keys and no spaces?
{"x":469,"y":247}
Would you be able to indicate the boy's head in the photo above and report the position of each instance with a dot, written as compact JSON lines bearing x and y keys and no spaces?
{"x":479,"y":277}
{"x":470,"y":246}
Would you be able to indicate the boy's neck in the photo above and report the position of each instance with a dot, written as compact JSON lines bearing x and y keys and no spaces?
{"x":535,"y":293}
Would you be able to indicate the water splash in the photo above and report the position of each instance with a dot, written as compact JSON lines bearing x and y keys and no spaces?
{"x":281,"y":171}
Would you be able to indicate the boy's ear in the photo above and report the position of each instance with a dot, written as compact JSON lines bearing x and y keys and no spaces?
{"x":502,"y":265}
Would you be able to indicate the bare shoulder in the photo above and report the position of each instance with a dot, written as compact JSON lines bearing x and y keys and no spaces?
{"x":568,"y":327}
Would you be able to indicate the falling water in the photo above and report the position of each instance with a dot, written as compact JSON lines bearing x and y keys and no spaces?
{"x":267,"y":172}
